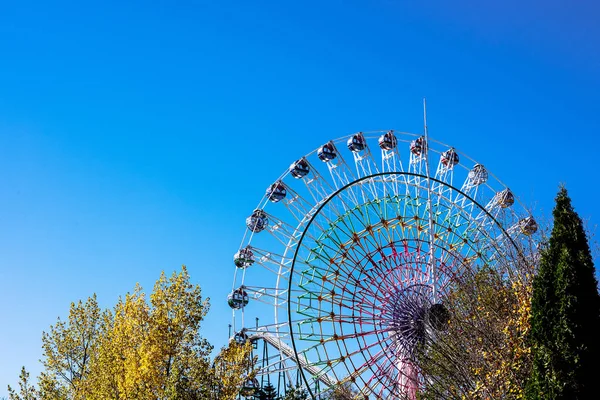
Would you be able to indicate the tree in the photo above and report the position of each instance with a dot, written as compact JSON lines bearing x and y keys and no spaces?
{"x":565,"y":312}
{"x":26,"y":390}
{"x":268,"y":392}
{"x":153,"y":350}
{"x":142,"y":348}
{"x":233,"y":368}
{"x":483,"y":352}
{"x":342,"y":391}
{"x":67,"y":350}
{"x":296,"y":393}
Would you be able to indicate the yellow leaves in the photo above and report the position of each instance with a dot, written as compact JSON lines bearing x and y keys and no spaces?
{"x":507,"y":363}
{"x":121,"y":346}
{"x":232,"y":368}
{"x":68,"y":348}
{"x":26,"y":390}
{"x":152,"y":347}
{"x":145,"y":347}
{"x":484,"y":353}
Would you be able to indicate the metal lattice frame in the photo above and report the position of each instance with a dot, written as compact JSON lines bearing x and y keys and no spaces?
{"x":346,"y":266}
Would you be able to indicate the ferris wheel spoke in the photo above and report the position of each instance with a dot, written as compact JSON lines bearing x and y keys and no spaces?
{"x":384,"y":378}
{"x":391,"y":162}
{"x":373,"y":366}
{"x":455,"y":236}
{"x":365,"y":166}
{"x":455,"y":216}
{"x":343,"y":176}
{"x":302,"y":210}
{"x":380,"y":372}
{"x":316,"y":185}
{"x":337,"y":354}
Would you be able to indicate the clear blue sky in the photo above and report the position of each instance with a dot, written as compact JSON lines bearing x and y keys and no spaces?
{"x":137,"y":137}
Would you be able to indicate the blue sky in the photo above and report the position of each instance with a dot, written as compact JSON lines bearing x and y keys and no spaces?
{"x":137,"y":137}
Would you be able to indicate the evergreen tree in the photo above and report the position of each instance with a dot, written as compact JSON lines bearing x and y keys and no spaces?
{"x":268,"y":392}
{"x":565,"y":313}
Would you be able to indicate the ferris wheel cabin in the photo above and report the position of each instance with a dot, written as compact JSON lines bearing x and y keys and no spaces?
{"x":357,"y":143}
{"x":417,"y":146}
{"x":276,"y":192}
{"x":299,"y":169}
{"x":388,"y":141}
{"x":238,"y":298}
{"x":258,"y":221}
{"x":243,"y":258}
{"x":326,"y":152}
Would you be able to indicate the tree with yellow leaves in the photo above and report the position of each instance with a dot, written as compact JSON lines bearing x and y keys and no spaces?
{"x":153,"y":350}
{"x":144,"y":348}
{"x":484,"y":353}
{"x":26,"y":390}
{"x":68,"y":348}
{"x":233,"y":369}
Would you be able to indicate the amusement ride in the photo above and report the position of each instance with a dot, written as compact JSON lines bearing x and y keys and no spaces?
{"x":352,"y":252}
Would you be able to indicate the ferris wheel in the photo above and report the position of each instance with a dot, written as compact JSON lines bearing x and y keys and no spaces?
{"x":349,"y":257}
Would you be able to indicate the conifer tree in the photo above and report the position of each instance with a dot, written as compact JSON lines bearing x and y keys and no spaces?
{"x":268,"y":392}
{"x":565,"y":313}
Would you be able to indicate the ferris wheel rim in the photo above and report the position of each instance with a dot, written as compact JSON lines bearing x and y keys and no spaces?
{"x":371,"y":134}
{"x":330,"y":198}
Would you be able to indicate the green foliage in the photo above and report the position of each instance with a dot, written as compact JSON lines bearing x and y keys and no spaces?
{"x":267,"y":392}
{"x":565,"y":312}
